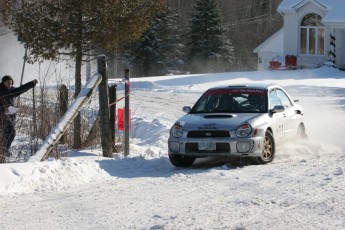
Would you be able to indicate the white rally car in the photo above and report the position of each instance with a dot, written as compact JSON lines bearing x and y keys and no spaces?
{"x":236,"y":120}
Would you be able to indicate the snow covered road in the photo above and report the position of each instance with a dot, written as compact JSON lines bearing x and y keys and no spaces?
{"x":302,"y":189}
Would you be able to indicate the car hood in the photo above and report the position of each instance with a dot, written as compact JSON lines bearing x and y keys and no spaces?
{"x":213,"y":121}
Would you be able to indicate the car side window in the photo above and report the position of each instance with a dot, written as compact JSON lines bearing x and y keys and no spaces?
{"x":284,"y":98}
{"x":274,"y":99}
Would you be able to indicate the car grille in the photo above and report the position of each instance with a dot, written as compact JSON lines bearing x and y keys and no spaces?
{"x":220,"y":147}
{"x":208,"y":133}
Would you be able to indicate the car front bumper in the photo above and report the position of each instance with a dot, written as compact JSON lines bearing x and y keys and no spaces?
{"x":204,"y":147}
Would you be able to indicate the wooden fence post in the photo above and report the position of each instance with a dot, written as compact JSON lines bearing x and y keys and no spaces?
{"x":106,"y":140}
{"x":126,"y":114}
{"x":112,"y":100}
{"x":63,"y":105}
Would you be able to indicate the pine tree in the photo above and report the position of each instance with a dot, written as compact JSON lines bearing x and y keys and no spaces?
{"x":210,"y":51}
{"x":160,"y":49}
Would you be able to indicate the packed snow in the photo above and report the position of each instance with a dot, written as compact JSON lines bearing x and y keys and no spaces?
{"x":303,"y":188}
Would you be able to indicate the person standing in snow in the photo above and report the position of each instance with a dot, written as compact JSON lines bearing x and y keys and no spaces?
{"x":8,"y":112}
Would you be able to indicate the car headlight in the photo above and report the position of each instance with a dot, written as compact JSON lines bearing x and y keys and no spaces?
{"x":176,"y":131}
{"x":243,"y":130}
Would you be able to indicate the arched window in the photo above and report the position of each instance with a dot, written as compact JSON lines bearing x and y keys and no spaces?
{"x":312,"y":35}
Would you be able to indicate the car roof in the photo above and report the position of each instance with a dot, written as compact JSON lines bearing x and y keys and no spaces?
{"x":263,"y":86}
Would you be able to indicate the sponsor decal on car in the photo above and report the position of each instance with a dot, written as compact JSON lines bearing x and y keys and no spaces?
{"x":212,"y":126}
{"x":236,"y":91}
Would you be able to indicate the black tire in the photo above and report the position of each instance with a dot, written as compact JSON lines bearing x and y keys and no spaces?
{"x":181,"y":161}
{"x":301,"y":134}
{"x":240,"y":161}
{"x":268,"y":151}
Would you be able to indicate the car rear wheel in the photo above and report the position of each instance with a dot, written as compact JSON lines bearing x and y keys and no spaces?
{"x":268,"y":151}
{"x":181,"y":161}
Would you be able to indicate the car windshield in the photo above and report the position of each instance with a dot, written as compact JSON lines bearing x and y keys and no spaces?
{"x":232,"y":100}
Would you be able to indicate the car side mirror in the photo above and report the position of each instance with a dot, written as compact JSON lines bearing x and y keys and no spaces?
{"x":186,"y":109}
{"x":278,"y":109}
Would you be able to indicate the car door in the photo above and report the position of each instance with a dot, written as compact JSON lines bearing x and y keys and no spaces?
{"x":278,"y":118}
{"x":289,"y":115}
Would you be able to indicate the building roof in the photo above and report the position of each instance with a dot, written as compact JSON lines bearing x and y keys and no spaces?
{"x":335,"y":8}
{"x":292,"y":5}
{"x":275,"y":43}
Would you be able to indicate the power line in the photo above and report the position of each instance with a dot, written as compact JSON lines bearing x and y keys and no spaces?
{"x":249,"y":6}
{"x":264,"y":17}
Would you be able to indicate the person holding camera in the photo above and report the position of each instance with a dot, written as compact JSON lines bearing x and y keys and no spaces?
{"x":8,"y":112}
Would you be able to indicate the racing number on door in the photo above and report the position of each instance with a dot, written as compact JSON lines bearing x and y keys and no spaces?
{"x":280,"y":130}
{"x":279,"y":118}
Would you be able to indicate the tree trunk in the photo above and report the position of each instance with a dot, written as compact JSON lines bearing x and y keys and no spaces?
{"x":93,"y":137}
{"x":78,"y":62}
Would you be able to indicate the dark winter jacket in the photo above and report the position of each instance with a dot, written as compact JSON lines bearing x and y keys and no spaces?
{"x":7,"y":95}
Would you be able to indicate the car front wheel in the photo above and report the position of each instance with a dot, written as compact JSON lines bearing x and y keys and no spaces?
{"x":301,"y":134}
{"x":181,"y":161}
{"x":268,"y":151}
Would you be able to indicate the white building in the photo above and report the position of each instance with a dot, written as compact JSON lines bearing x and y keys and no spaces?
{"x":313,"y":31}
